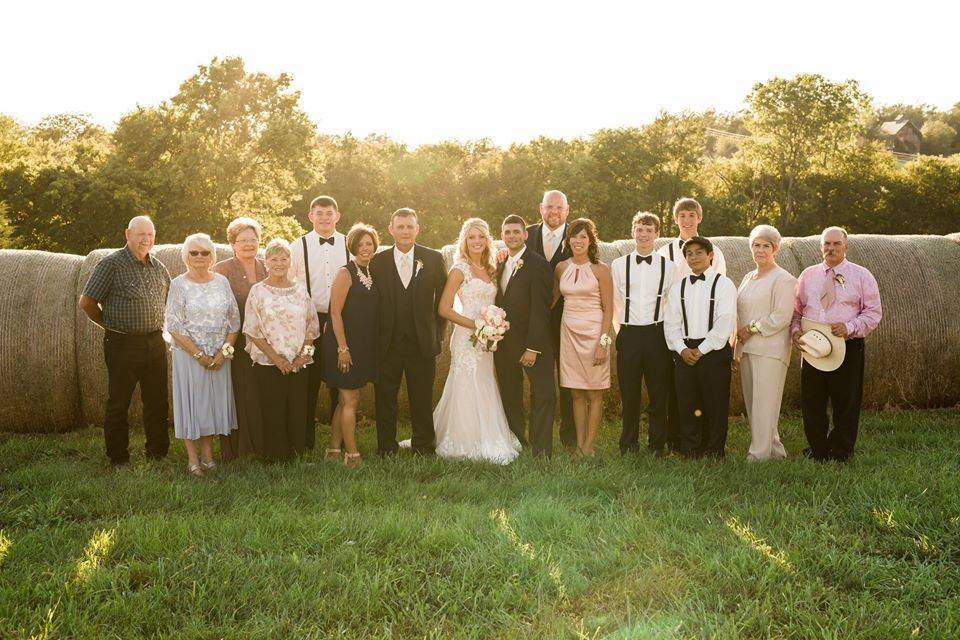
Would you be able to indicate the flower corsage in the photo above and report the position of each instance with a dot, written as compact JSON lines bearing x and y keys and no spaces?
{"x":605,"y":340}
{"x":227,"y":350}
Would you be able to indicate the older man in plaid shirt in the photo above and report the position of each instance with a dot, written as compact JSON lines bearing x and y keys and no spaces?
{"x":126,"y":295}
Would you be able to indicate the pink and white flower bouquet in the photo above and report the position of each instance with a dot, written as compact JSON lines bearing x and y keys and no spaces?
{"x":491,"y":326}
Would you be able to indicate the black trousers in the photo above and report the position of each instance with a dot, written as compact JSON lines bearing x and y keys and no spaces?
{"x":283,"y":405}
{"x":673,"y":413}
{"x":642,"y":355}
{"x":704,"y":388}
{"x":133,"y":359}
{"x":315,"y":377}
{"x":568,"y":430}
{"x":843,"y":389}
{"x":543,"y":399}
{"x":404,"y":358}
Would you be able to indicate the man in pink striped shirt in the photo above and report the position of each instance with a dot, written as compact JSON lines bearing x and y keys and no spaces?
{"x":845,"y":296}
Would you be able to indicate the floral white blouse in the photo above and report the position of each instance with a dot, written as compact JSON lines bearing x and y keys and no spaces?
{"x":284,"y":317}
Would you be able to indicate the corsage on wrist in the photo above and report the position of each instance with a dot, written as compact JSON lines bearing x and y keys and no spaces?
{"x":754,"y":327}
{"x":227,"y":351}
{"x":605,"y":340}
{"x":307,"y":351}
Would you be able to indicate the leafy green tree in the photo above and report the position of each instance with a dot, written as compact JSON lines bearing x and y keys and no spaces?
{"x":798,"y":125}
{"x":229,"y":143}
{"x":938,"y":137}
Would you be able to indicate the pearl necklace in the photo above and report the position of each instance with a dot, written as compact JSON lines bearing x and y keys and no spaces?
{"x":365,"y":278}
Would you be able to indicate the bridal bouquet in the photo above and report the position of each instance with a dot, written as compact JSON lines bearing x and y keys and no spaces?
{"x":491,"y":325}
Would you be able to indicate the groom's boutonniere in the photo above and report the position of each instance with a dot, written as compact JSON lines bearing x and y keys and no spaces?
{"x":517,"y":267}
{"x":417,"y":266}
{"x":839,"y":279}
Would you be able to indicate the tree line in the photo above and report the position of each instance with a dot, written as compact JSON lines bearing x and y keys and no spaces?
{"x":803,"y":154}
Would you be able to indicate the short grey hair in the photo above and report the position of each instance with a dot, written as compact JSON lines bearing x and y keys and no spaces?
{"x":241,"y":224}
{"x":843,"y":232}
{"x":136,"y":220}
{"x":194,"y":239}
{"x":766,"y":232}
{"x":277,"y":245}
{"x":553,"y":192}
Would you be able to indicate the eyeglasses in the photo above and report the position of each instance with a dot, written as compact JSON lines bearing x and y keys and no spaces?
{"x":203,"y":253}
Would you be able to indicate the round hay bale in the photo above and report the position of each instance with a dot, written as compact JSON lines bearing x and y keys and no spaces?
{"x":92,"y":369}
{"x":38,"y":382}
{"x":955,"y":237}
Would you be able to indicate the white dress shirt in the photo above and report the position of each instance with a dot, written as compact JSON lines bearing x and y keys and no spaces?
{"x":683,"y":269}
{"x":644,"y":285}
{"x":398,"y":258}
{"x":509,"y":267}
{"x":697,"y":299}
{"x":552,"y":239}
{"x":325,"y":261}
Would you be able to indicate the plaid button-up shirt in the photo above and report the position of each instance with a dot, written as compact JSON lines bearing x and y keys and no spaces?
{"x":133,"y":293}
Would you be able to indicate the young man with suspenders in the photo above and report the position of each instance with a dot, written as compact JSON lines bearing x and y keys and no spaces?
{"x":316,"y":259}
{"x":687,"y":215}
{"x":701,"y":314}
{"x":641,"y":280}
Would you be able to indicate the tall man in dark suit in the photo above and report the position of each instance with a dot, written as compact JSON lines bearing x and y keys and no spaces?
{"x":524,"y":291}
{"x":546,"y":238}
{"x":410,"y":279}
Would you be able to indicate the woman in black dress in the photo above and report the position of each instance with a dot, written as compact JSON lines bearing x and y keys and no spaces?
{"x":349,"y":344}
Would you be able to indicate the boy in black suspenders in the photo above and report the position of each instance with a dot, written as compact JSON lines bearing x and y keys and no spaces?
{"x":701,"y":314}
{"x":641,"y":280}
{"x":315,"y":259}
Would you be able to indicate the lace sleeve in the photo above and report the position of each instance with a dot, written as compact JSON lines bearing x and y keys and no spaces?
{"x":463,"y":268}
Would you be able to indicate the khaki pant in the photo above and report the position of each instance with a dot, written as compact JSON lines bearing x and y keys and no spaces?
{"x":762,"y":381}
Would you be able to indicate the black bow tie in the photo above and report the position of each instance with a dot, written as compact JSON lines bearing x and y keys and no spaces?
{"x":647,"y":259}
{"x":328,"y":241}
{"x":693,"y":279}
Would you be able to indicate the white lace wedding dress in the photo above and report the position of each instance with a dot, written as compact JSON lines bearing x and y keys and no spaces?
{"x":469,"y":419}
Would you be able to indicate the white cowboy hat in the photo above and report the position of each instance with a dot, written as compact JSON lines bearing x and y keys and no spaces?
{"x":819,"y":347}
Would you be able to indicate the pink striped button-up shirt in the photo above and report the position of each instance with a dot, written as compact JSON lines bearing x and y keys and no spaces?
{"x":857,"y":302}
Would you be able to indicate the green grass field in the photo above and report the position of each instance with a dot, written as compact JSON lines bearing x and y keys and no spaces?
{"x":413,"y":548}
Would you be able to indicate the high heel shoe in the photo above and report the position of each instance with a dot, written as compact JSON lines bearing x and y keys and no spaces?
{"x":196,"y":470}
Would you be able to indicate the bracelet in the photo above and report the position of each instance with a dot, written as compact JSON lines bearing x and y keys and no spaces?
{"x":343,"y":350}
{"x":198,"y":355}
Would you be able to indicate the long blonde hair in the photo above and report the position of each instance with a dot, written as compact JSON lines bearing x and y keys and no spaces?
{"x":487,"y":257}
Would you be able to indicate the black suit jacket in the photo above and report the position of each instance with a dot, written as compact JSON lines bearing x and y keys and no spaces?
{"x":527,"y":303}
{"x":535,"y":243}
{"x":427,"y":286}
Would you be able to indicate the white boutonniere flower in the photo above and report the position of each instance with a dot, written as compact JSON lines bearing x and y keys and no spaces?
{"x":517,"y":267}
{"x":418,"y":265}
{"x":840,"y":280}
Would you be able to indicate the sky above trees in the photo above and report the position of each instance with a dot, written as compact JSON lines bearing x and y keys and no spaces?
{"x":510,"y":71}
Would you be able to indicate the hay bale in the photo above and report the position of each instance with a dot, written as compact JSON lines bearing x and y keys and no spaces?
{"x":92,"y":369}
{"x":38,"y":364}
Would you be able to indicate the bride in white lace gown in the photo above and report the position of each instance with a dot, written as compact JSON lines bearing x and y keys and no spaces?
{"x":469,"y":419}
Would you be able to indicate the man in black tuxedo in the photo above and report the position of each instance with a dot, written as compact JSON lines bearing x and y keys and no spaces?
{"x":410,"y":279}
{"x":546,"y":239}
{"x":524,"y":291}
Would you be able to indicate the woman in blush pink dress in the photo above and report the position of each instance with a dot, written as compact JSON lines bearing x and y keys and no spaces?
{"x":585,"y":329}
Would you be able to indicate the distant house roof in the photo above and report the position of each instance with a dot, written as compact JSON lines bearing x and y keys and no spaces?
{"x":894,"y":127}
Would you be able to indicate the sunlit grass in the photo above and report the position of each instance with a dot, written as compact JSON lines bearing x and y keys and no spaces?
{"x":611,"y":548}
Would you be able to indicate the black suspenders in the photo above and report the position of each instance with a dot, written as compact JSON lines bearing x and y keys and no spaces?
{"x":306,"y":265}
{"x":663,"y":272}
{"x":683,"y":304}
{"x":656,"y":311}
{"x":306,"y":261}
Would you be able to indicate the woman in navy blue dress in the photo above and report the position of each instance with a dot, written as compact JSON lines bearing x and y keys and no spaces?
{"x":350,"y":339}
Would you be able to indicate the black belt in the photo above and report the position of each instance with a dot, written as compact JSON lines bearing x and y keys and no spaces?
{"x":149,"y":334}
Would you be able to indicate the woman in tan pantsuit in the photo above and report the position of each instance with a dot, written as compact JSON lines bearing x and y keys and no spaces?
{"x":764,"y":310}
